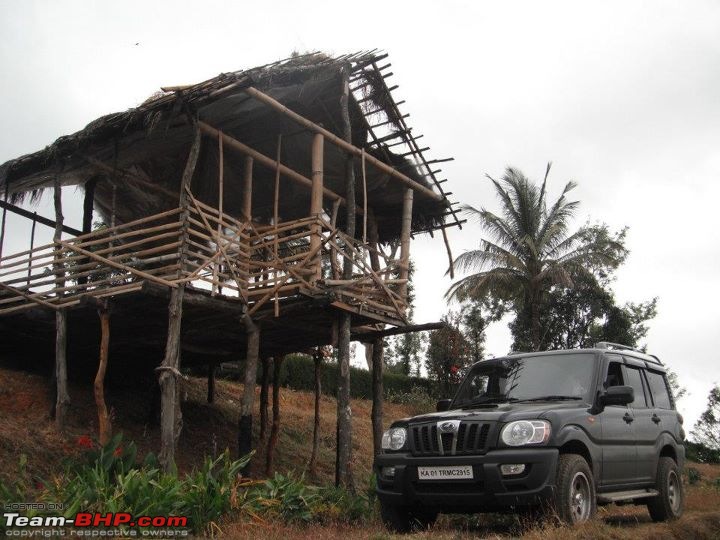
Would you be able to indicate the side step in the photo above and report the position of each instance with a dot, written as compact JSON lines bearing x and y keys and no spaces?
{"x":618,"y":496}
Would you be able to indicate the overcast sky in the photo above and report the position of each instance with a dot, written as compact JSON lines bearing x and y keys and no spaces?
{"x":623,"y":97}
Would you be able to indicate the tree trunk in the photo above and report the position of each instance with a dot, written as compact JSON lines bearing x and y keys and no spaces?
{"x":104,"y":426}
{"x":62,"y":397}
{"x":248,"y":397}
{"x":343,"y":469}
{"x":535,"y":320}
{"x":377,"y":394}
{"x":265,"y":383}
{"x":272,"y":442}
{"x":312,"y":466}
{"x":169,"y":371}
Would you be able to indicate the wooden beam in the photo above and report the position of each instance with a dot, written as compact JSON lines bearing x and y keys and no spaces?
{"x":375,"y":334}
{"x":39,"y":219}
{"x":344,"y":144}
{"x":248,"y":397}
{"x":267,"y":161}
{"x":247,"y":188}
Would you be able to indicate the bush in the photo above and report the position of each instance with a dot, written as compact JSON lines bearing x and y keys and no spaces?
{"x":694,"y":476}
{"x":290,"y":499}
{"x":297,"y":372}
{"x":419,"y":400}
{"x":700,"y":453}
{"x":109,"y":480}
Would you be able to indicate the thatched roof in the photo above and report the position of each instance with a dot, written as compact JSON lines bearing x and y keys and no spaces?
{"x":149,"y":144}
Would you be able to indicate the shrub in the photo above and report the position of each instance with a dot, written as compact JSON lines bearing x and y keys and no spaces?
{"x":694,"y":476}
{"x":418,"y":398}
{"x":109,"y":480}
{"x":290,"y":499}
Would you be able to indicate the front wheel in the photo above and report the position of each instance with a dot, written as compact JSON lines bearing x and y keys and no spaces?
{"x":668,"y":504}
{"x":574,"y":500}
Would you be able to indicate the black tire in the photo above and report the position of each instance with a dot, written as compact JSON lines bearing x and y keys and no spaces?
{"x":574,"y":500}
{"x":669,"y":504}
{"x":401,"y":519}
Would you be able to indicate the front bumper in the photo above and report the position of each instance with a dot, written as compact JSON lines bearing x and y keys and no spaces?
{"x":489,"y":490}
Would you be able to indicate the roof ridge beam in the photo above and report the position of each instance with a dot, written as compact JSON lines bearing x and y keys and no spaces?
{"x":337,"y":141}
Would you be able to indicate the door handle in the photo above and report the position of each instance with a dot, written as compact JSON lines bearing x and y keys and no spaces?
{"x":655,"y":418}
{"x":628,"y":418}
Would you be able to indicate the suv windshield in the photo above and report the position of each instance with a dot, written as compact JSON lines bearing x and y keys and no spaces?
{"x":551,"y":377}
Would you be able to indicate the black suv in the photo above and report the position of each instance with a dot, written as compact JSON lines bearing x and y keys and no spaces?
{"x":562,"y":429}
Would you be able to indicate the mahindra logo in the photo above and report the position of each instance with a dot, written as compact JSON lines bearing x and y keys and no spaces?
{"x":449,"y":426}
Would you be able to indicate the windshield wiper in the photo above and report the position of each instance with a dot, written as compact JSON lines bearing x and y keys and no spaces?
{"x":552,"y":398}
{"x":487,"y":401}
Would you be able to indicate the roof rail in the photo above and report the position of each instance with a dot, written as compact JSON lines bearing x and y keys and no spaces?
{"x":620,"y":347}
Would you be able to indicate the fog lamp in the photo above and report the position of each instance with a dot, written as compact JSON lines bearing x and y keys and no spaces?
{"x":388,"y":472}
{"x":510,"y":469}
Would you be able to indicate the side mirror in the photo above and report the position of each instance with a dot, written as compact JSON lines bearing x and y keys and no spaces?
{"x":618,"y":395}
{"x":443,"y":405}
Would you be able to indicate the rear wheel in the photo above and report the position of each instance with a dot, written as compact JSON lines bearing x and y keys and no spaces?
{"x":669,"y":503}
{"x":574,"y":500}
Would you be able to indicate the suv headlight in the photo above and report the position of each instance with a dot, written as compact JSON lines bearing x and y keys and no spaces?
{"x":394,"y":438}
{"x":524,"y":432}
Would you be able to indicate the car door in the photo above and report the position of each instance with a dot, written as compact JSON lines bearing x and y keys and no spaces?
{"x":618,"y":433}
{"x":646,"y":431}
{"x":664,"y":417}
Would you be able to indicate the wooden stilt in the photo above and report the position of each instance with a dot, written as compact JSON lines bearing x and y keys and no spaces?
{"x":343,"y":458}
{"x":62,"y":397}
{"x":264,"y":385}
{"x":248,"y":397}
{"x":312,"y":465}
{"x":275,"y":429}
{"x":212,"y":369}
{"x":104,"y":425}
{"x":378,"y":348}
{"x":169,"y":371}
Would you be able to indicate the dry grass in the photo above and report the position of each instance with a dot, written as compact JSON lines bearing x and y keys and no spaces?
{"x":26,"y":428}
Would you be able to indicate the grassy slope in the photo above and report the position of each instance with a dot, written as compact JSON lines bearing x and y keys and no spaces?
{"x":25,"y":428}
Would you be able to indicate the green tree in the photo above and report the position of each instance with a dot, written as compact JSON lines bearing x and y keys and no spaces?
{"x":448,"y":353}
{"x":707,"y":429}
{"x":531,"y":251}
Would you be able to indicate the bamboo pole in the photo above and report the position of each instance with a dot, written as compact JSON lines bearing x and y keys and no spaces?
{"x":378,"y":348}
{"x":32,"y":245}
{"x":276,"y":216}
{"x":169,"y":370}
{"x":316,"y":201}
{"x":405,"y":241}
{"x":104,"y":426}
{"x":343,"y":143}
{"x":267,"y":161}
{"x":4,"y":217}
{"x":247,"y":188}
{"x":221,"y":171}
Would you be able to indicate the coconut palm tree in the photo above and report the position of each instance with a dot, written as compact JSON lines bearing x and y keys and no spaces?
{"x":530,"y":249}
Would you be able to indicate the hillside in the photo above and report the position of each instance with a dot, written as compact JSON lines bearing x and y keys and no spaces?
{"x":26,"y":429}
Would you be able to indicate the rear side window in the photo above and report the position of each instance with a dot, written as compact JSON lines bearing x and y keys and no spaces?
{"x":659,"y":390}
{"x":633,"y":378}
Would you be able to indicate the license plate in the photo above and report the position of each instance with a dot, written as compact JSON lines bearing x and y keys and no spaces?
{"x":457,"y":472}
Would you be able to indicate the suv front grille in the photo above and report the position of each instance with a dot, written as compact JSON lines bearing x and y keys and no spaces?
{"x":470,"y":438}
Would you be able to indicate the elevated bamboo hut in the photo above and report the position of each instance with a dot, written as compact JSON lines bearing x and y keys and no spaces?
{"x":257,"y":213}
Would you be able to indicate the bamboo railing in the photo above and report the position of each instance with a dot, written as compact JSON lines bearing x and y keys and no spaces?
{"x":228,"y":258}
